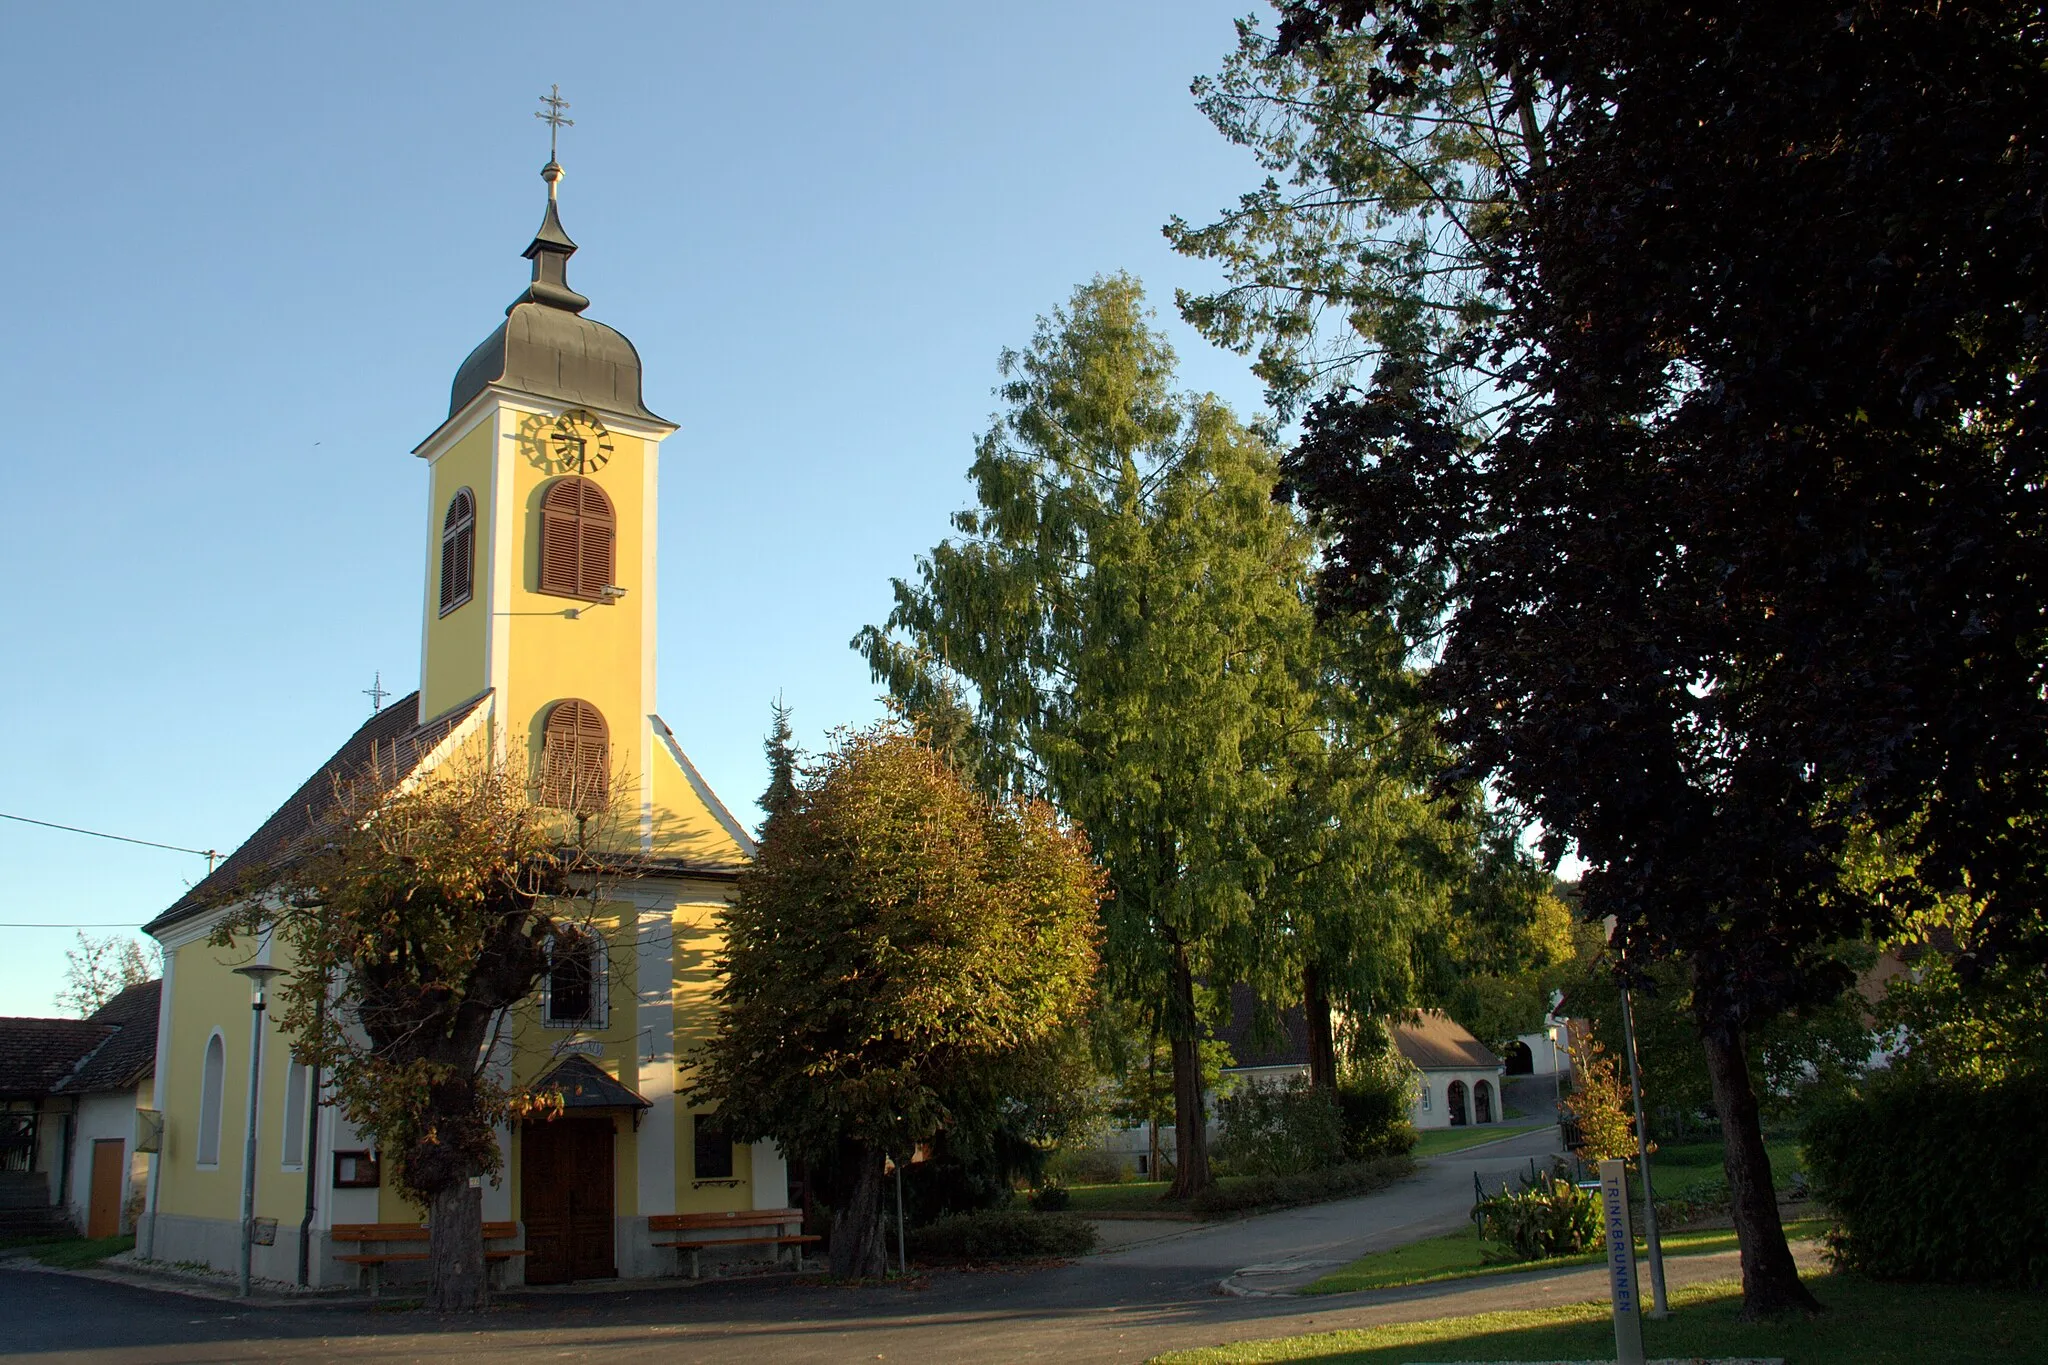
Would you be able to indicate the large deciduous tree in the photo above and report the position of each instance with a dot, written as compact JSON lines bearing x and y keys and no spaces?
{"x":905,"y":958}
{"x":1125,"y":610}
{"x":422,"y":914}
{"x":1756,"y":562}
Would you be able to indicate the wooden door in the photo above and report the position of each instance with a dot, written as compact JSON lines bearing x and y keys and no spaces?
{"x":565,"y":1192}
{"x":103,"y":1215}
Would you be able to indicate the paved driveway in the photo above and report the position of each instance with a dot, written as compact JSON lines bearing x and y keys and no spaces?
{"x":1278,"y":1251}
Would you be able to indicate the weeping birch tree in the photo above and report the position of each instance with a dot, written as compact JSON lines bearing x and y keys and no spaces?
{"x":1124,"y":616}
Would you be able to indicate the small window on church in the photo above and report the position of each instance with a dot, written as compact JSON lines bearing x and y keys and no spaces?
{"x":575,"y":758}
{"x":458,"y":551}
{"x":712,"y":1144}
{"x":574,"y":995}
{"x":576,"y":536}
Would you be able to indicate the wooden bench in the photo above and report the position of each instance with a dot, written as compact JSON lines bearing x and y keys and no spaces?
{"x":744,"y":1222}
{"x":372,"y":1263}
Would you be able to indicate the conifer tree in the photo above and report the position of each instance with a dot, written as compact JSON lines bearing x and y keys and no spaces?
{"x":1127,"y":607}
{"x":783,"y":757}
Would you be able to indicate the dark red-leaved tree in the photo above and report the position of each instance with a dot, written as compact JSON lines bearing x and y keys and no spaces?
{"x":1757,"y":557}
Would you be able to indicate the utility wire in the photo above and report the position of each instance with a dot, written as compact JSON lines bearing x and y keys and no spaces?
{"x":207,"y":853}
{"x":102,"y":924}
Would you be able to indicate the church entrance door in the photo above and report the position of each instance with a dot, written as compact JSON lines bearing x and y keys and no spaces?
{"x":565,"y":1189}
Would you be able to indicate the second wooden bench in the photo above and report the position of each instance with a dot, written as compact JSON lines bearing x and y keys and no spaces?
{"x":372,"y":1263}
{"x":757,"y":1227}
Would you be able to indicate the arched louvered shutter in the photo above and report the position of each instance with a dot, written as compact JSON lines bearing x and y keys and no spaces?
{"x":577,"y":533}
{"x":458,"y":551}
{"x":575,"y":758}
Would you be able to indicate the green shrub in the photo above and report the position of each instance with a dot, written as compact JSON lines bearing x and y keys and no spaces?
{"x":1549,"y":1217}
{"x":1308,"y":1187}
{"x":1003,"y":1235}
{"x":1373,"y":1108}
{"x":1278,"y":1130}
{"x":1050,"y":1199}
{"x":1085,"y":1166}
{"x":1937,"y":1179}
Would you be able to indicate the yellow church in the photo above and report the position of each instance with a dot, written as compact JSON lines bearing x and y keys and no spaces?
{"x":537,"y":638}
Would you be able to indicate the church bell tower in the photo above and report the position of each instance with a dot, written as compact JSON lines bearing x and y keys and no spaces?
{"x":540,"y":569}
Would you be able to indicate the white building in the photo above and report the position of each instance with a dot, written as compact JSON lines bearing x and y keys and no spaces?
{"x":1458,"y":1077}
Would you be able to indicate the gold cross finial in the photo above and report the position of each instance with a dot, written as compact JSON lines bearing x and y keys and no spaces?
{"x":552,"y":116}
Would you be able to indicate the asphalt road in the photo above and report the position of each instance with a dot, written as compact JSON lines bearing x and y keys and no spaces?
{"x":1122,"y":1306}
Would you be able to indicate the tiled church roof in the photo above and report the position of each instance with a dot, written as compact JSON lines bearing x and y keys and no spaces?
{"x":390,"y":743}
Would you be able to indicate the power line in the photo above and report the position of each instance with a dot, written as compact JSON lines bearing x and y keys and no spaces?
{"x":101,"y":924}
{"x":207,"y":853}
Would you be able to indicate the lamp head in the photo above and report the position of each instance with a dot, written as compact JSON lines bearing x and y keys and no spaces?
{"x":259,"y":974}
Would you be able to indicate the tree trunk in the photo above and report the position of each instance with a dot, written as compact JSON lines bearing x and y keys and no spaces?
{"x":1770,"y":1280}
{"x":1190,"y":1116}
{"x":455,"y":1250}
{"x":858,"y":1250}
{"x":1322,"y":1038}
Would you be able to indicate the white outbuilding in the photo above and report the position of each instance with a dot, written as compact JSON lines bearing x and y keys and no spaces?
{"x":1458,"y":1077}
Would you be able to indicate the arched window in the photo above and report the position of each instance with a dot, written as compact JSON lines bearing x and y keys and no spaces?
{"x":574,"y":994}
{"x":291,"y":1150}
{"x":458,"y":551}
{"x":575,"y":758}
{"x":576,"y":535}
{"x":1454,"y":1100}
{"x":1482,"y":1102}
{"x":212,"y":1078}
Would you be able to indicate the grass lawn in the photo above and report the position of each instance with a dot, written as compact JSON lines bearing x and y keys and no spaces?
{"x":1437,"y":1141}
{"x":70,"y":1253}
{"x":1867,"y":1324}
{"x":1460,"y":1255}
{"x":1680,"y":1167}
{"x":1128,"y":1196}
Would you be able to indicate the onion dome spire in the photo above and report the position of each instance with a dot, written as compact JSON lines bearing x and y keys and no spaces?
{"x":546,"y":348}
{"x":550,"y":251}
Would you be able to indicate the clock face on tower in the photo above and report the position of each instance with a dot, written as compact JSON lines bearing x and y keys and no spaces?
{"x":579,"y":442}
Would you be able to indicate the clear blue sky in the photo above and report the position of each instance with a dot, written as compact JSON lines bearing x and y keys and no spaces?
{"x":249,"y":245}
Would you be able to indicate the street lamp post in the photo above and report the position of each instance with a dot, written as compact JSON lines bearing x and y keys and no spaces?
{"x":259,"y":974}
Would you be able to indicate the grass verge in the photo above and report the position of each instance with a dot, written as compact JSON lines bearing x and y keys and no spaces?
{"x":1128,"y":1196}
{"x":1437,"y":1141}
{"x":1462,"y":1256}
{"x":70,"y":1253}
{"x":1866,"y":1324}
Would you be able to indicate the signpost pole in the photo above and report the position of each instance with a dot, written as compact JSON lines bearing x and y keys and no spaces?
{"x":1659,"y":1308}
{"x":1621,"y":1263}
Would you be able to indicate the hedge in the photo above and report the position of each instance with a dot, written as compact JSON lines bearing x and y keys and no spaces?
{"x":1309,"y":1187}
{"x":1937,"y":1180}
{"x":1003,"y":1235}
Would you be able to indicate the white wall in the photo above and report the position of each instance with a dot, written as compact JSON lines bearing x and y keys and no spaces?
{"x":1434,"y":1086}
{"x":1549,"y":1058}
{"x":107,"y":1115}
